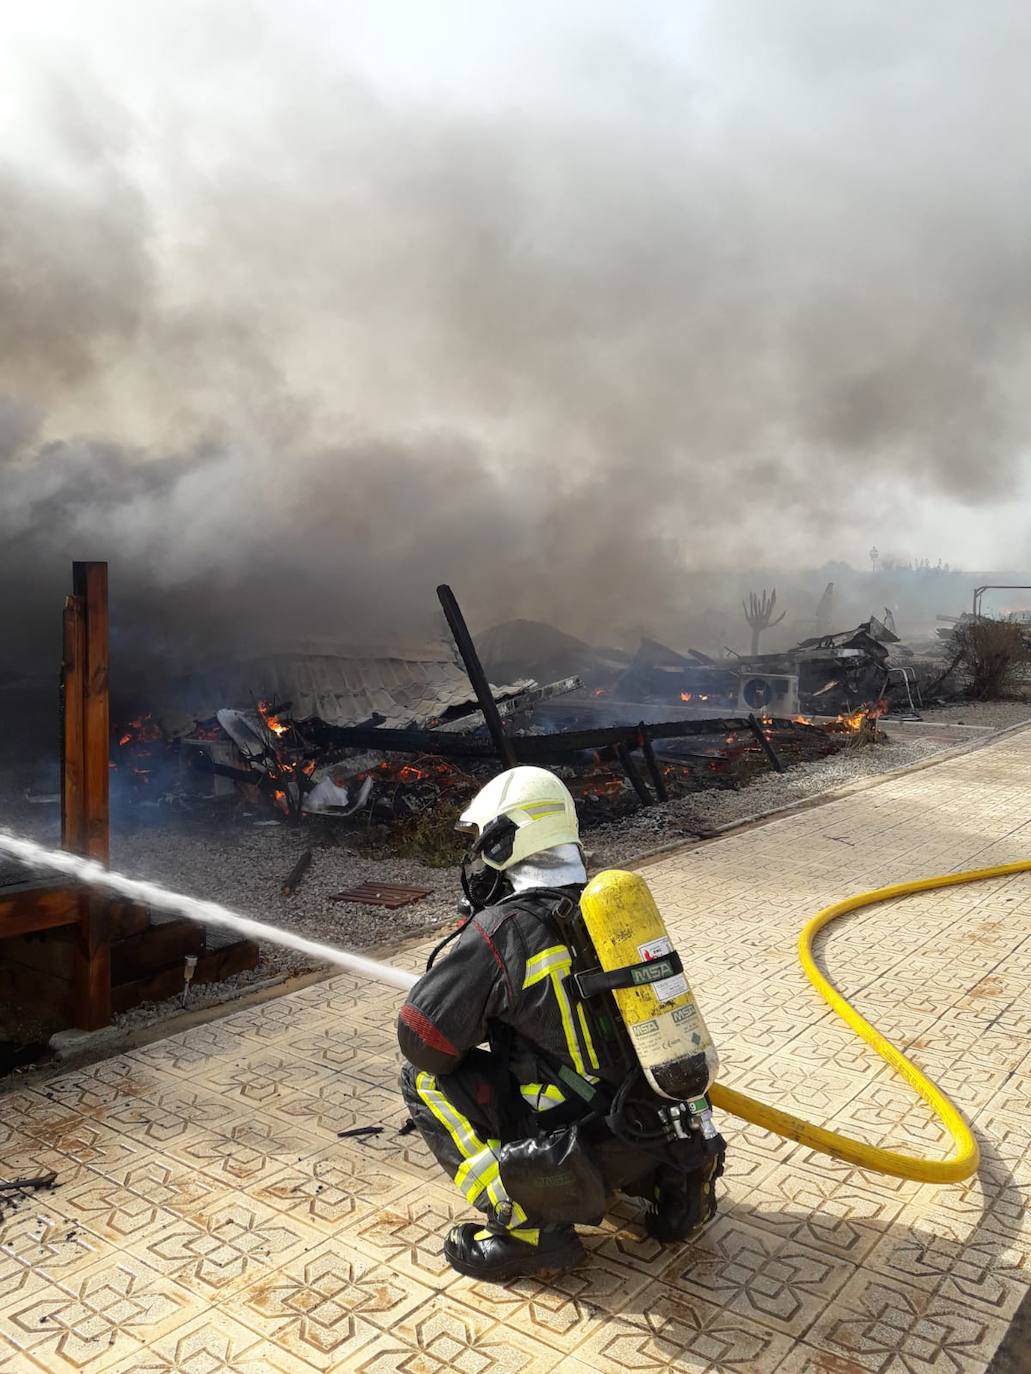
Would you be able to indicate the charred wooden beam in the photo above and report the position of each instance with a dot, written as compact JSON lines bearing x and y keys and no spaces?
{"x":527,"y":748}
{"x":534,"y":748}
{"x":295,"y":877}
{"x":477,"y":677}
{"x":632,"y":771}
{"x":655,"y":772}
{"x":765,"y":744}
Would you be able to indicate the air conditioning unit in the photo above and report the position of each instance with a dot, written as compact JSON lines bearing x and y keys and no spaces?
{"x":767,"y":694}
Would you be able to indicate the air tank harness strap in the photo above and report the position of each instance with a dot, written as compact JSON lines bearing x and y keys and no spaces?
{"x":593,"y":981}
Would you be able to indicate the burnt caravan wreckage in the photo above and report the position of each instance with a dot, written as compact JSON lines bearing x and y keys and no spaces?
{"x":837,"y":673}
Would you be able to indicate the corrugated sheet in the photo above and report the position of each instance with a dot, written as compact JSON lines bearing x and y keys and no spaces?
{"x":338,"y":688}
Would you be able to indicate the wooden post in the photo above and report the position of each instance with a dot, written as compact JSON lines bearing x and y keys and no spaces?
{"x":90,"y":581}
{"x":477,"y":677}
{"x":93,"y":947}
{"x":73,"y":811}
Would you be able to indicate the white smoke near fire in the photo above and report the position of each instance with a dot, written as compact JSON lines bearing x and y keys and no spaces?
{"x":288,"y":338}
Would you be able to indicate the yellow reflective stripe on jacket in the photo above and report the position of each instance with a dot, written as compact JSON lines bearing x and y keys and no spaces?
{"x":592,"y":1053}
{"x":555,"y":963}
{"x":557,"y":959}
{"x":542,"y":1096}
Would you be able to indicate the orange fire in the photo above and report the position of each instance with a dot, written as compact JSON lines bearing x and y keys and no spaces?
{"x":143,"y":730}
{"x":271,"y":720}
{"x":600,"y":787}
{"x":853,"y":721}
{"x":686,"y":696}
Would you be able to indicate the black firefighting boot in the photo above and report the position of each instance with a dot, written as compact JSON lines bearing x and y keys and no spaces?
{"x":496,"y":1255}
{"x":683,"y":1203}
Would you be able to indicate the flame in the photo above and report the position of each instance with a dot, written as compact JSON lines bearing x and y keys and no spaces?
{"x":271,"y":719}
{"x":143,"y":741}
{"x":686,"y":696}
{"x":142,"y":730}
{"x":853,"y":721}
{"x":595,"y":788}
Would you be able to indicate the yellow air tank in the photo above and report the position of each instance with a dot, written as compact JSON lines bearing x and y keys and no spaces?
{"x":661,"y":1015}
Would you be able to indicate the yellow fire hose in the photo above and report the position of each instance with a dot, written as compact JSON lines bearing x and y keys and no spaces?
{"x":964,"y":1159}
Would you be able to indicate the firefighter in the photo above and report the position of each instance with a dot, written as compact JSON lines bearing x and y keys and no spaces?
{"x":502,"y":984}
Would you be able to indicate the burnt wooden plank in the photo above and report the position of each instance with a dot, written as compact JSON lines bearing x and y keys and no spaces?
{"x":528,"y":748}
{"x":295,"y":877}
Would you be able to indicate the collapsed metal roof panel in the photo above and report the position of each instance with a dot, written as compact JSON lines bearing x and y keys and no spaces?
{"x":339,"y":689}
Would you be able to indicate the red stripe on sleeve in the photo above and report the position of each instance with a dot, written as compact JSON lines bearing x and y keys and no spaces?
{"x":427,"y":1032}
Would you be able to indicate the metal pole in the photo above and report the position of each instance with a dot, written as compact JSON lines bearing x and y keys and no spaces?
{"x":477,"y":677}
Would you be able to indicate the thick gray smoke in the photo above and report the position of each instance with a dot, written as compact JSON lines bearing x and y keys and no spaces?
{"x":289,"y":354}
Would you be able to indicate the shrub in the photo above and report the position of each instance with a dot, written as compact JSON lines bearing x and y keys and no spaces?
{"x":430,"y":837}
{"x":992,"y":652}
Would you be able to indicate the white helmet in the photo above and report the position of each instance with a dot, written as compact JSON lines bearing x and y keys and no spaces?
{"x":519,"y":813}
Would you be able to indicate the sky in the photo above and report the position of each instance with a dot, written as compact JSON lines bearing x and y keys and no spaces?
{"x":306,"y":307}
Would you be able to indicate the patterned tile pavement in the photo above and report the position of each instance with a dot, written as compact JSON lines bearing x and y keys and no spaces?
{"x":210,"y":1220}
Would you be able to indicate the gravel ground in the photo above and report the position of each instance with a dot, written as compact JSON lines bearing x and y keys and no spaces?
{"x":701,"y":813}
{"x":996,"y":715}
{"x":243,"y":866}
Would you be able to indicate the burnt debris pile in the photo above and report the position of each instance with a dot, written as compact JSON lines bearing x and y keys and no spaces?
{"x":387,"y":735}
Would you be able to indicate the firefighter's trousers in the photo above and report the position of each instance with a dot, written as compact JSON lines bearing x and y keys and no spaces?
{"x":460,"y":1117}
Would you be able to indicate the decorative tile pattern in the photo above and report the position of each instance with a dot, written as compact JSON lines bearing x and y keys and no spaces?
{"x":233,"y":1243}
{"x":90,"y":1321}
{"x":883,"y":1325}
{"x":759,"y":1275}
{"x":679,"y":1332}
{"x":328,"y":1305}
{"x":209,"y":1218}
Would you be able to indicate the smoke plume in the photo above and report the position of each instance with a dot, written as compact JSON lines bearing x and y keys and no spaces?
{"x":288,"y":343}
